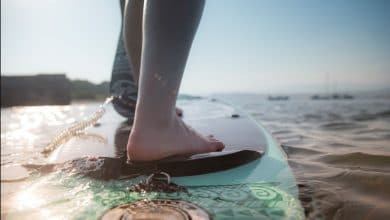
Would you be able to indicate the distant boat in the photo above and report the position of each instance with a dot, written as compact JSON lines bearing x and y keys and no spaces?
{"x":278,"y":98}
{"x":346,"y":96}
{"x":329,"y":94}
{"x":334,"y":96}
{"x":320,"y":97}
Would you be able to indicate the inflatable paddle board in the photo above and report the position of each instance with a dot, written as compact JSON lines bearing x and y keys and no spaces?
{"x":249,"y":179}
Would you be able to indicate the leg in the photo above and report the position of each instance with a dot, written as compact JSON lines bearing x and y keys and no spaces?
{"x":133,"y":15}
{"x":169,"y":27}
{"x":123,"y":83}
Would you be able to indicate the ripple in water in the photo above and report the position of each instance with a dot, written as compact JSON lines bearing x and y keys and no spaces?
{"x":339,"y":152}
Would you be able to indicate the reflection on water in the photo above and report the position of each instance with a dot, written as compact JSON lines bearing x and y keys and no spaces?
{"x":339,"y":152}
{"x":26,"y":130}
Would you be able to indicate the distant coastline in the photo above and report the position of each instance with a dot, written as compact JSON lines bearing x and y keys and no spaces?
{"x":49,"y":89}
{"x":84,"y":90}
{"x":58,"y":89}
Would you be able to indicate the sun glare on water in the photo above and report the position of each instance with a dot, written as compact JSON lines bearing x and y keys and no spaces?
{"x":28,"y":199}
{"x":22,"y":129}
{"x":31,"y":199}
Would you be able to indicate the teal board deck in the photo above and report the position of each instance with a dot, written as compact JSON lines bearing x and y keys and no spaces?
{"x":261,"y":189}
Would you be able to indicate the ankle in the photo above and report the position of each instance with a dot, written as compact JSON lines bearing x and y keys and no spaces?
{"x":151,"y":119}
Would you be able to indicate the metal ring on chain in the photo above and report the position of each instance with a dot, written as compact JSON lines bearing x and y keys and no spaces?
{"x":150,"y":177}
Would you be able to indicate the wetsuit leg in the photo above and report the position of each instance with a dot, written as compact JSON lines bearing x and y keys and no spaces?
{"x":126,"y":66}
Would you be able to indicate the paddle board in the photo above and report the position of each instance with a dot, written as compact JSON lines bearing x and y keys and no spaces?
{"x":262,"y":187}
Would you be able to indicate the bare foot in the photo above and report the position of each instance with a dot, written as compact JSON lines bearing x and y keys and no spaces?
{"x":153,"y":142}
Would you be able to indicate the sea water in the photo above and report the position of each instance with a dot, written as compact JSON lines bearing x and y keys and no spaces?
{"x":338,"y":149}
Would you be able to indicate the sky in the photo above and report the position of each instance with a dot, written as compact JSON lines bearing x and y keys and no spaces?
{"x":257,"y":46}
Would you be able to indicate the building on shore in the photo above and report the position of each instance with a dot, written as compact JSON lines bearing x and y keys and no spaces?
{"x":47,"y":89}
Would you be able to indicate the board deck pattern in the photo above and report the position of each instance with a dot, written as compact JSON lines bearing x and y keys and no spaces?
{"x":260,"y":189}
{"x":237,"y":201}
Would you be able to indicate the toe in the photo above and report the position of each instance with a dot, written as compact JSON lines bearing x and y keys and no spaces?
{"x":209,"y":146}
{"x":218,"y":145}
{"x":211,"y":138}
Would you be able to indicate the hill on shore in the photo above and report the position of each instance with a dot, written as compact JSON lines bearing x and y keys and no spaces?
{"x":85,"y":90}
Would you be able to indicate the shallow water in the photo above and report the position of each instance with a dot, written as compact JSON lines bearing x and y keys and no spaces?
{"x":339,"y":150}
